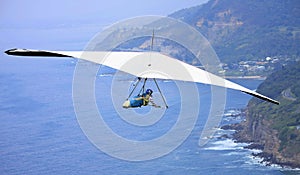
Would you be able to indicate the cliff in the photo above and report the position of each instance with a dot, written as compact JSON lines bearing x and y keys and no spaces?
{"x":276,"y":129}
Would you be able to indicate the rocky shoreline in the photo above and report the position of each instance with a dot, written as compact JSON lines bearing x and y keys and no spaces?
{"x":268,"y":157}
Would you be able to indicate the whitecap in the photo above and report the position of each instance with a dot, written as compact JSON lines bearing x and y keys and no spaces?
{"x":227,"y":144}
{"x":105,"y":75}
{"x":256,"y":160}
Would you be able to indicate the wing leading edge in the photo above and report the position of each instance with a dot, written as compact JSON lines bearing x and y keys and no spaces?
{"x":145,"y":65}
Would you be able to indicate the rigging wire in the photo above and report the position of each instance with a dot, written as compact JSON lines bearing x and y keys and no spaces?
{"x":139,"y":79}
{"x":151,"y":49}
{"x":161,"y":93}
{"x":143,"y":87}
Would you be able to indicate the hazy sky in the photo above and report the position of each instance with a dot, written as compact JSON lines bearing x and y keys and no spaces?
{"x":87,"y":10}
{"x":69,"y":24}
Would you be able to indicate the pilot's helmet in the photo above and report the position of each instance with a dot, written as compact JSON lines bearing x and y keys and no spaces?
{"x":149,"y":91}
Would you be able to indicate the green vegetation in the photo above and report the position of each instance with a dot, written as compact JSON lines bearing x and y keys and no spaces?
{"x":284,"y":118}
{"x":242,"y":30}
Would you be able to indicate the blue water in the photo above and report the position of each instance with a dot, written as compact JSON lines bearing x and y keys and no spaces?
{"x":40,"y":134}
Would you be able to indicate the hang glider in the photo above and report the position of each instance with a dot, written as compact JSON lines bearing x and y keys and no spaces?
{"x":145,"y":65}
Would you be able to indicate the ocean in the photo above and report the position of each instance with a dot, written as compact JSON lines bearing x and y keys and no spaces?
{"x":40,"y":133}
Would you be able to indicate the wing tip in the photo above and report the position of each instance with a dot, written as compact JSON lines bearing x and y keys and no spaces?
{"x":39,"y":53}
{"x":10,"y":51}
{"x":263,"y":98}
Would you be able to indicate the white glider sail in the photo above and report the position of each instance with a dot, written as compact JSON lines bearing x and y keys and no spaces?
{"x":136,"y":63}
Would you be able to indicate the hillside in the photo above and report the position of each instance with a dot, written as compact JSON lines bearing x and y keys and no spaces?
{"x":242,"y":30}
{"x":276,"y":128}
{"x":251,"y":37}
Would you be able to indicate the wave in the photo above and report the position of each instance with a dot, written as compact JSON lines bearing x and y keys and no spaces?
{"x":227,"y":144}
{"x":106,"y":75}
{"x":251,"y":159}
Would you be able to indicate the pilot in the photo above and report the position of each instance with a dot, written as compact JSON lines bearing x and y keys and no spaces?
{"x":147,"y":97}
{"x":140,"y":100}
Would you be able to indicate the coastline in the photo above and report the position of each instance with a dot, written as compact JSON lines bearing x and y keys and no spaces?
{"x":254,"y":77}
{"x":266,"y":159}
